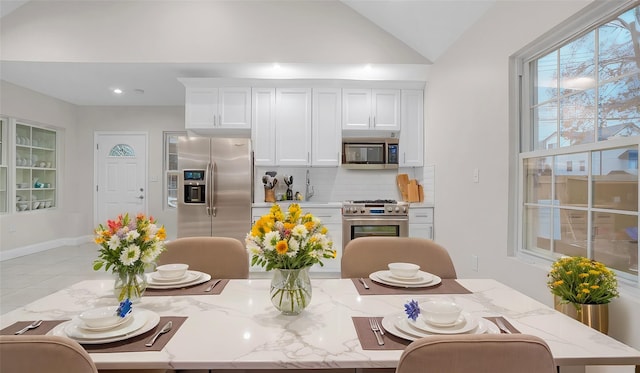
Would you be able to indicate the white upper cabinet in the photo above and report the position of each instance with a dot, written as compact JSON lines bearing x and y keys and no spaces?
{"x":326,"y":127}
{"x":293,"y":126}
{"x":412,"y":133}
{"x":227,"y":108}
{"x":371,"y":109}
{"x":263,"y":131}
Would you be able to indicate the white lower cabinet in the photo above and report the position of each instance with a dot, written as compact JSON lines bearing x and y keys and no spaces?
{"x":421,"y":222}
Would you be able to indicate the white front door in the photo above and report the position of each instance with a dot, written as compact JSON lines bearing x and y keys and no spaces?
{"x":121,"y":174}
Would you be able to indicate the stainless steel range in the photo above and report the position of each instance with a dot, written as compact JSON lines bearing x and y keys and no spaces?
{"x":374,"y":218}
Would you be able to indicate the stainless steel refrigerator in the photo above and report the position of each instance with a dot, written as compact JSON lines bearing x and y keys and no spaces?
{"x":214,"y":189}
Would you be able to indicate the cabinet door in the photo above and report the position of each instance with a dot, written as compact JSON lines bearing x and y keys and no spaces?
{"x":356,"y":106}
{"x":327,"y":127}
{"x":293,"y":126}
{"x":234,"y":108}
{"x":263,"y":130}
{"x":412,"y":131}
{"x":201,"y":107}
{"x":386,"y":109}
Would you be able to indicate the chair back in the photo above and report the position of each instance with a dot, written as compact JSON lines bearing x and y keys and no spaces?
{"x":478,"y":353}
{"x":365,"y":255}
{"x":43,"y":353}
{"x":221,"y":257}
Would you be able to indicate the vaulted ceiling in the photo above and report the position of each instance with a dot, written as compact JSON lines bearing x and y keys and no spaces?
{"x":427,"y":27}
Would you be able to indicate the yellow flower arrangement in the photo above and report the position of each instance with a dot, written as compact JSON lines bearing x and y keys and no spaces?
{"x":580,"y":280}
{"x":292,"y":241}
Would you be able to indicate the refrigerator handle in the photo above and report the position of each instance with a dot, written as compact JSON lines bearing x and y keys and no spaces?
{"x":212,"y":192}
{"x":207,"y":173}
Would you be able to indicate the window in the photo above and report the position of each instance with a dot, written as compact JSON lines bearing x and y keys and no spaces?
{"x":171,"y":172}
{"x":580,"y":133}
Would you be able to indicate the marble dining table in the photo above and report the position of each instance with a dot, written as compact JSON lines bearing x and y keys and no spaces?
{"x":240,"y":329}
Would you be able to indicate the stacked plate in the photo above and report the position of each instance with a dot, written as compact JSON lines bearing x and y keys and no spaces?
{"x":139,"y":321}
{"x":190,"y":278}
{"x":400,"y":325}
{"x":421,"y":279}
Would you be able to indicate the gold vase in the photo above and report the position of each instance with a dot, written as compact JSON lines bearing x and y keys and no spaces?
{"x":594,"y":315}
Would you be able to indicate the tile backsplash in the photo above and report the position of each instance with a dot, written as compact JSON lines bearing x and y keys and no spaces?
{"x":336,"y":184}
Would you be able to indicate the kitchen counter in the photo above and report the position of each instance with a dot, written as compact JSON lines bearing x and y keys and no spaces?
{"x":303,"y":204}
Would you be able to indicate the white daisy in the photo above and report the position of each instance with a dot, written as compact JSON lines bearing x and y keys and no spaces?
{"x":114,"y":242}
{"x":299,"y":231}
{"x":130,"y":254}
{"x":132,"y":235}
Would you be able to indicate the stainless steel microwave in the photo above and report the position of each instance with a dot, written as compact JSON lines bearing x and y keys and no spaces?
{"x":370,"y":153}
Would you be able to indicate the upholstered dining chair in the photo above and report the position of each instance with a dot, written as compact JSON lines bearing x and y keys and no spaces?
{"x":478,"y":353}
{"x":43,"y":353}
{"x":365,"y":255}
{"x":221,"y":257}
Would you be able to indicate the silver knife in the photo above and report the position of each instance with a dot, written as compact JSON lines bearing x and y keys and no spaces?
{"x":166,"y":328}
{"x":364,"y":283}
{"x":213,"y":285}
{"x":502,"y":326}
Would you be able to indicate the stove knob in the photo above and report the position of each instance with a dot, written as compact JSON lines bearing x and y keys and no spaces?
{"x":397,"y":209}
{"x":363,"y":210}
{"x":389,"y":208}
{"x":354,"y":209}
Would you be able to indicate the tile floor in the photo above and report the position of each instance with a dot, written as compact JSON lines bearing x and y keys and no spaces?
{"x":30,"y":277}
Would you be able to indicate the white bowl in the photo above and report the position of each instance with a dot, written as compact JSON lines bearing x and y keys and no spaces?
{"x":440,"y":312}
{"x":100,"y":317}
{"x":175,"y":270}
{"x":404,"y":270}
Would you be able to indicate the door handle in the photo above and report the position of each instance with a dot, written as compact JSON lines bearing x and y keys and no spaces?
{"x":140,"y":197}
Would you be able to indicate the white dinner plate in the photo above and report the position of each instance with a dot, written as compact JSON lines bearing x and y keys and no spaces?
{"x":459,"y":328}
{"x":422,"y":278}
{"x":375,"y":277}
{"x":75,"y":328}
{"x":202,"y":277}
{"x":189,"y":276}
{"x":123,"y":320}
{"x":155,"y":276}
{"x":152,"y":319}
{"x":389,"y":324}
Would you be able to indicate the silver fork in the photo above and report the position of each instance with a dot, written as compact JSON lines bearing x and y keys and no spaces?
{"x":373,"y":323}
{"x":33,"y":325}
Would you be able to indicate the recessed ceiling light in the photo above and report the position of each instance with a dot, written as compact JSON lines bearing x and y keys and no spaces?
{"x":117,"y":91}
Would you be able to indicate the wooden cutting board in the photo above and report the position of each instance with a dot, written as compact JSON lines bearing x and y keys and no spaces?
{"x":403,"y":181}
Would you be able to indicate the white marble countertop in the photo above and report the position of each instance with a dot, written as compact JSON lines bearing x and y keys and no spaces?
{"x":240,"y":328}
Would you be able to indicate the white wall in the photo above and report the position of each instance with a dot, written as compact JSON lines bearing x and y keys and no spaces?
{"x":467,"y":127}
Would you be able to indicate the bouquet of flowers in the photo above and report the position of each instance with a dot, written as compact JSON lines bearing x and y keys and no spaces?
{"x":294,"y":241}
{"x":127,"y":247}
{"x":580,"y":280}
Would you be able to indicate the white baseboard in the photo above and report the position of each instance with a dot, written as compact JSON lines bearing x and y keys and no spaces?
{"x":43,"y":246}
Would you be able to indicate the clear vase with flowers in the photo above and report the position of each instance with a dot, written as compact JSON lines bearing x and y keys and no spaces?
{"x":127,"y":247}
{"x":289,"y":244}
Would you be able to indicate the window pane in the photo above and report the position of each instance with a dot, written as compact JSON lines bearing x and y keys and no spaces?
{"x":571,"y":181}
{"x":619,"y":103}
{"x":615,"y":178}
{"x":545,"y":119}
{"x":538,"y":179}
{"x":546,"y":82}
{"x":172,"y":190}
{"x":616,"y":46}
{"x":574,"y":233}
{"x":577,"y":65}
{"x":616,"y":241}
{"x":577,"y":122}
{"x":538,"y":228}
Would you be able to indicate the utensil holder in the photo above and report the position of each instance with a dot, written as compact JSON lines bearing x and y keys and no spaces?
{"x":269,"y":195}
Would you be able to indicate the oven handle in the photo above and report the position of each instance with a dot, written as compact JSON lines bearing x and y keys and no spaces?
{"x":375,"y":220}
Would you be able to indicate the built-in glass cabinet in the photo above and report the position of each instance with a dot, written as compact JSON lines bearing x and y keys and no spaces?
{"x":4,"y":182}
{"x":36,"y":175}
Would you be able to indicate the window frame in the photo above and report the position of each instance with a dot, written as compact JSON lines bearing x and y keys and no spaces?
{"x":521,"y":130}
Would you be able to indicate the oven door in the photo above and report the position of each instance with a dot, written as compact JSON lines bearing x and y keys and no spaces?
{"x":359,"y":226}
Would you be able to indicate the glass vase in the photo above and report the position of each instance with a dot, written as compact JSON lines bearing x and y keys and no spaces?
{"x":291,"y":290}
{"x":129,"y":285}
